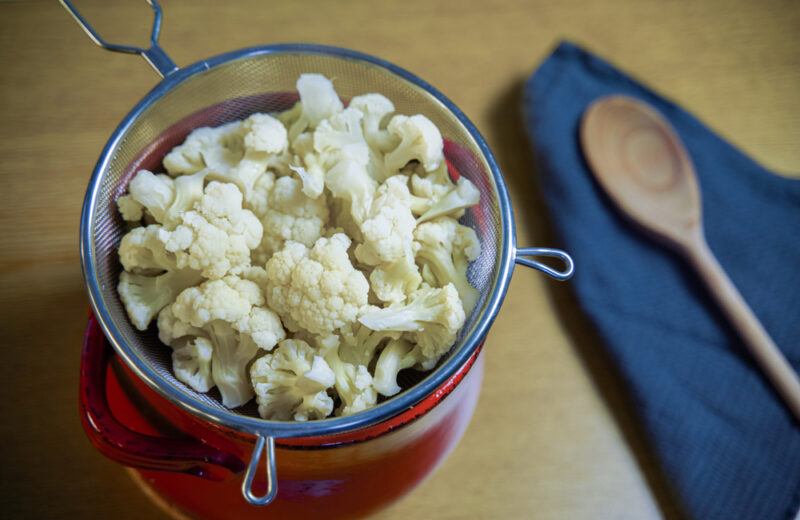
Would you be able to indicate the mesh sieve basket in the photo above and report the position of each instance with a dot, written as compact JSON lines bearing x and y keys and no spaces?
{"x":262,"y":79}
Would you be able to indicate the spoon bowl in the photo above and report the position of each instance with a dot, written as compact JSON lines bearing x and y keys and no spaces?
{"x":645,"y":168}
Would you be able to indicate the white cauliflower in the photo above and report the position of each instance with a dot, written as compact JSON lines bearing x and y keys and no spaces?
{"x":219,"y":148}
{"x":151,"y":278}
{"x":318,"y":101}
{"x":229,"y":314}
{"x":264,"y":133}
{"x":353,"y":382}
{"x":164,"y":198}
{"x":291,"y":383}
{"x":389,"y":229}
{"x":191,"y":362}
{"x":341,"y":138}
{"x":387,"y":242}
{"x":358,"y":344}
{"x":129,"y":209}
{"x":420,"y":140}
{"x":263,"y":142}
{"x":311,"y":174}
{"x":316,"y":289}
{"x":290,"y":215}
{"x":453,"y":203}
{"x":216,"y":237}
{"x":397,"y":355}
{"x":376,"y":108}
{"x":349,"y":181}
{"x":433,"y":316}
{"x":253,"y":229}
{"x":392,"y":282}
{"x":435,"y":195}
{"x":259,"y":194}
{"x":447,"y":248}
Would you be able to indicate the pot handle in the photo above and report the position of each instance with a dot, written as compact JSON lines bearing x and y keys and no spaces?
{"x":121,"y":444}
{"x":562,"y":275}
{"x":154,"y":55}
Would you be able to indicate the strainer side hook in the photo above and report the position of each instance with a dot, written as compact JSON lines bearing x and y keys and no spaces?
{"x":265,"y":444}
{"x":154,"y":55}
{"x":560,"y":275}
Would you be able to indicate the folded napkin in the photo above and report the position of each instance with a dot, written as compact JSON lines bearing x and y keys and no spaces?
{"x":724,"y":438}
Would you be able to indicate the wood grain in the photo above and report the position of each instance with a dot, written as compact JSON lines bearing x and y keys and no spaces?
{"x":553,"y":436}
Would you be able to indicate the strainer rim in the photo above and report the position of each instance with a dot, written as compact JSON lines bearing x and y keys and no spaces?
{"x":279,"y":429}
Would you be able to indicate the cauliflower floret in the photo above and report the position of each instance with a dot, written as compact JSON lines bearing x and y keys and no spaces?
{"x":291,"y":383}
{"x":259,"y":195}
{"x":341,"y":135}
{"x":303,"y":144}
{"x":349,"y":181}
{"x":435,"y":195}
{"x":388,"y":231}
{"x":463,"y":195}
{"x":359,"y":344}
{"x":376,"y":108}
{"x":396,"y":355}
{"x":129,"y":209}
{"x":262,"y":327}
{"x":218,"y":148}
{"x":151,"y":279}
{"x":427,"y":189}
{"x":318,"y":101}
{"x":290,"y":215}
{"x":228,"y":299}
{"x":217,"y":236}
{"x":341,"y":138}
{"x":387,"y":242}
{"x":433,"y":316}
{"x":392,"y":282}
{"x":316,"y":289}
{"x":163,"y":197}
{"x":264,"y":133}
{"x":447,"y":248}
{"x":353,"y":382}
{"x":191,"y":361}
{"x":263,"y":141}
{"x":311,"y":174}
{"x":354,"y":385}
{"x":228,"y":313}
{"x":419,"y":140}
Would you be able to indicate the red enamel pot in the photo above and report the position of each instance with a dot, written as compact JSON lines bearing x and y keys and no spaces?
{"x":194,"y":467}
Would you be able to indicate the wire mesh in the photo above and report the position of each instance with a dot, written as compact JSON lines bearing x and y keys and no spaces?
{"x":266,"y":83}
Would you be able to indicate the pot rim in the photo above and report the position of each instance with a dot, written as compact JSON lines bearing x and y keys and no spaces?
{"x":280,"y":429}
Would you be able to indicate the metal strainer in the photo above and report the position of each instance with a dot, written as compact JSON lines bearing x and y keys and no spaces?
{"x":262,"y":79}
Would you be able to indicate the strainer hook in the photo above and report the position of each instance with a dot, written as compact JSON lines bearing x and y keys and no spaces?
{"x":155,"y":55}
{"x":562,"y":275}
{"x":252,"y":467}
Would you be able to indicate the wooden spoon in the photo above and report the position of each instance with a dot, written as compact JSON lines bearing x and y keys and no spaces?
{"x":644,"y":168}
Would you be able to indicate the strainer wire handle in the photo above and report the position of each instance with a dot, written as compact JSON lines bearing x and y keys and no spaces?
{"x":564,"y":274}
{"x":262,"y":441}
{"x":154,"y":55}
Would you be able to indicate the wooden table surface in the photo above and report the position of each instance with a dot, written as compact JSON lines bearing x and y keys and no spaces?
{"x":553,"y":436}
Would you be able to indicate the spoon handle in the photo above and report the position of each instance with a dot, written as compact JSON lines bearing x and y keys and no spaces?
{"x":763,"y":349}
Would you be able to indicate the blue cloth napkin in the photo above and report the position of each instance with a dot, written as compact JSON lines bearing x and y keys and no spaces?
{"x":725,"y":441}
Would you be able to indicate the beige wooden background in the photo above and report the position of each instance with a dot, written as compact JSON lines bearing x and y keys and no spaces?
{"x":552,"y":436}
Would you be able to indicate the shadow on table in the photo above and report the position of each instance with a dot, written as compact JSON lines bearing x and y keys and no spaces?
{"x":516,"y":159}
